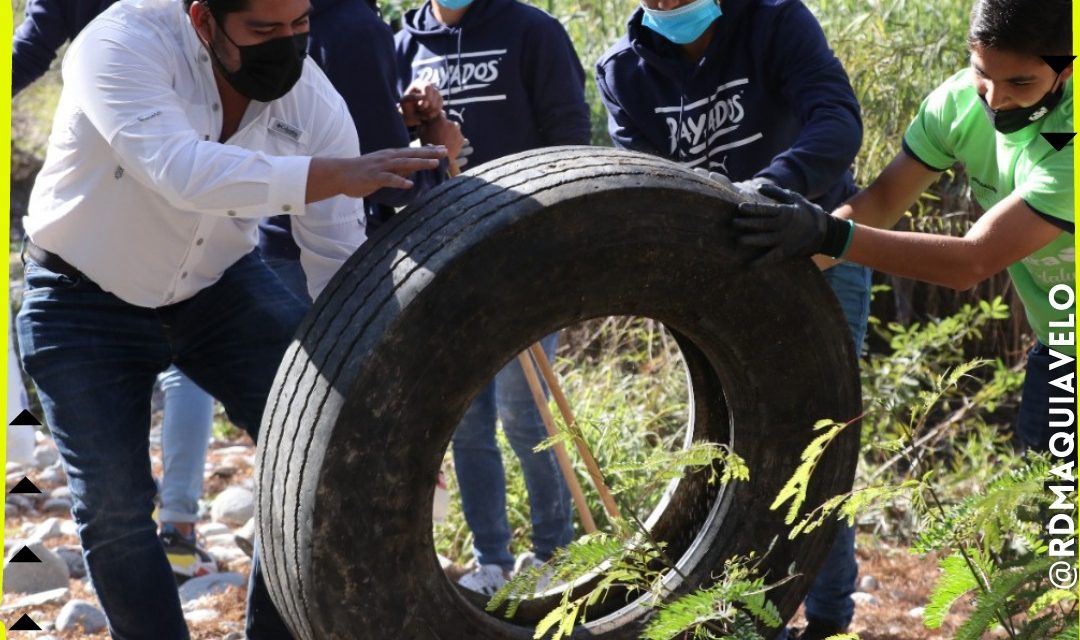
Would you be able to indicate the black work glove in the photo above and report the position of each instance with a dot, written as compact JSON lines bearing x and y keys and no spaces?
{"x":753,"y":185}
{"x":748,"y":188}
{"x":790,"y":227}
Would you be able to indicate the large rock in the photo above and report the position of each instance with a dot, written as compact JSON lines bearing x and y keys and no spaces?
{"x":52,"y":596}
{"x":74,"y":558}
{"x":213,"y":529}
{"x":45,"y":455}
{"x":79,"y":614}
{"x":57,"y":505}
{"x":210,"y":584}
{"x":239,"y":462}
{"x":47,"y":530}
{"x":233,"y":506}
{"x":245,"y":538}
{"x":226,"y":554}
{"x":200,"y":615}
{"x":35,"y":577}
{"x":24,"y":503}
{"x":220,"y":540}
{"x":54,"y":475}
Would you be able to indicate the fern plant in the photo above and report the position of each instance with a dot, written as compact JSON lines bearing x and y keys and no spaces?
{"x":629,"y":558}
{"x":729,"y":610}
{"x":997,"y":555}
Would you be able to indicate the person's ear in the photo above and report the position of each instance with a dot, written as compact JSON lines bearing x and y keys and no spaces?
{"x":200,"y":19}
{"x":1066,"y":73}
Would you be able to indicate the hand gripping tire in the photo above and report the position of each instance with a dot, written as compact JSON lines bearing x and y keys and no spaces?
{"x":415,"y":324}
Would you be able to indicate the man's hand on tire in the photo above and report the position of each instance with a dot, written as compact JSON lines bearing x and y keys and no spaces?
{"x":363,"y":175}
{"x":790,"y":227}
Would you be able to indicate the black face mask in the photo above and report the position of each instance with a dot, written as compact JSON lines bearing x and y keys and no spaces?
{"x":268,"y":70}
{"x":1013,"y":120}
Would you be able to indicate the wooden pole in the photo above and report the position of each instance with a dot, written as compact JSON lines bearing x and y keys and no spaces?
{"x":595,"y":475}
{"x":549,"y":423}
{"x":560,"y":451}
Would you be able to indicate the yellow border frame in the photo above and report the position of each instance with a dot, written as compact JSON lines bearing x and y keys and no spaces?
{"x":6,"y":27}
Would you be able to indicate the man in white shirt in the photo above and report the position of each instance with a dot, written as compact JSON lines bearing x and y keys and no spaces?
{"x":179,"y":126}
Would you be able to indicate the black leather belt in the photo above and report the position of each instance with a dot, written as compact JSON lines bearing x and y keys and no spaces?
{"x":51,"y":261}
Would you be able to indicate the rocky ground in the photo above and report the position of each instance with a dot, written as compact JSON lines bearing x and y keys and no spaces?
{"x":894,"y":584}
{"x":56,"y":594}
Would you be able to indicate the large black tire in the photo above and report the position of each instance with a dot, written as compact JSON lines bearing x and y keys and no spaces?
{"x":420,"y":319}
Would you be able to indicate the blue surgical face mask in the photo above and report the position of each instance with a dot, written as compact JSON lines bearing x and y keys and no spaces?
{"x":454,"y":4}
{"x":685,"y":24}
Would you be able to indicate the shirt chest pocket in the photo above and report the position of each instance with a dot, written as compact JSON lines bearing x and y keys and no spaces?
{"x":273,"y":136}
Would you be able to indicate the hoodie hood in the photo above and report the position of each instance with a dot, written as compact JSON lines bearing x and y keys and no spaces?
{"x":423,"y":23}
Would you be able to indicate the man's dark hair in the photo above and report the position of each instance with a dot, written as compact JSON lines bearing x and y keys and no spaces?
{"x":1031,"y":27}
{"x":220,"y":8}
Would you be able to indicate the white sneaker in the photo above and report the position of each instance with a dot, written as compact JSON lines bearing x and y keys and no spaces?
{"x":527,"y":561}
{"x":485,"y":579}
{"x":440,"y":506}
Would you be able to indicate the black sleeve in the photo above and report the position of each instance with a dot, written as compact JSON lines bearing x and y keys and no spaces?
{"x":911,"y":154}
{"x":1064,"y":225}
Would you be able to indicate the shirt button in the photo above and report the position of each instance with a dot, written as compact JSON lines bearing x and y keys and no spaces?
{"x":215,"y":106}
{"x":203,"y":57}
{"x":206,"y":137}
{"x":231,"y":212}
{"x":199,"y":242}
{"x":286,"y":207}
{"x":183,"y":275}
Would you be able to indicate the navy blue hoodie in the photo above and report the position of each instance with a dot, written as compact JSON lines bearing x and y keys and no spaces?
{"x":355,"y":48}
{"x":507,"y":71}
{"x":48,"y":24}
{"x":768,"y":99}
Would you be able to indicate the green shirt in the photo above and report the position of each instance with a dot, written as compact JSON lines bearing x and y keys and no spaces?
{"x":952,"y":127}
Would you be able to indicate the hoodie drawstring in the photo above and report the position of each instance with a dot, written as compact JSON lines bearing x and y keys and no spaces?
{"x":449,"y":71}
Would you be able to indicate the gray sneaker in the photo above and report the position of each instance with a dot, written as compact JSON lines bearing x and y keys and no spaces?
{"x":529,"y":561}
{"x":485,"y":579}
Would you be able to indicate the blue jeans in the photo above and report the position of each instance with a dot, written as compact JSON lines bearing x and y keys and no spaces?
{"x":291,"y":275}
{"x":481,"y":478}
{"x":185,"y":435}
{"x":94,"y":359}
{"x":1033,"y":419}
{"x":829,"y":599}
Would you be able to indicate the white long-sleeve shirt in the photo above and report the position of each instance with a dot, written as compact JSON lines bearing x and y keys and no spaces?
{"x":137,"y":193}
